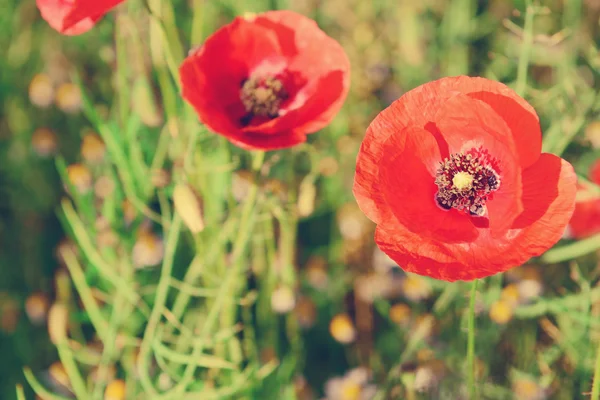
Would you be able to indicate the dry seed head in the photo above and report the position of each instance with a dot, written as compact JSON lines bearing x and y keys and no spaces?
{"x":9,"y":315}
{"x":62,"y":285}
{"x":352,"y":223}
{"x":424,"y":326}
{"x":36,"y":307}
{"x":93,"y":148}
{"x":129,"y":212}
{"x":501,"y":312}
{"x":316,"y":272}
{"x":41,"y":91}
{"x":58,"y":321}
{"x":342,"y":329}
{"x":369,"y":287}
{"x":187,"y":206}
{"x":164,"y":382}
{"x":115,"y":390}
{"x":80,"y":176}
{"x":148,"y":250}
{"x":109,"y":373}
{"x":240,"y":184}
{"x":306,"y":312}
{"x":44,"y":142}
{"x":530,"y":289}
{"x":104,"y":187}
{"x":68,"y":98}
{"x":160,"y":178}
{"x":328,"y":166}
{"x":283,"y":300}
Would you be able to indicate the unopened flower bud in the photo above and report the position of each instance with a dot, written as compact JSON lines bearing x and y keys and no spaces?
{"x":58,"y":320}
{"x":187,"y":206}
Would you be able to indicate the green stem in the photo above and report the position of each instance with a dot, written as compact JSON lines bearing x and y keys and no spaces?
{"x":471,"y":342}
{"x":596,"y":384}
{"x":159,"y":303}
{"x":525,"y":50}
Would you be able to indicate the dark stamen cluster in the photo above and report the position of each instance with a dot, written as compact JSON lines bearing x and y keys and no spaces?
{"x":262,"y":96}
{"x":465,"y":182}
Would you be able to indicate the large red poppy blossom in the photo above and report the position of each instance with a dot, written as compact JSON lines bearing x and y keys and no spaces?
{"x":74,"y":17}
{"x":452,"y":174}
{"x":586,"y":218}
{"x":266,"y":81}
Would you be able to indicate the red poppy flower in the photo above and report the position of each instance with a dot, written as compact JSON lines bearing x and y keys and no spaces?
{"x":74,"y":17}
{"x":586,"y":218}
{"x":452,"y":174}
{"x":266,"y":81}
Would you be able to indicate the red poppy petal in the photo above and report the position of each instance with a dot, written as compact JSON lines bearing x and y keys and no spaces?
{"x":254,"y":141}
{"x":429,"y":258}
{"x":540,"y":188}
{"x":84,"y":9}
{"x":407,"y":175}
{"x":586,"y":219}
{"x":595,"y":172}
{"x":544,"y":232}
{"x":520,"y":117}
{"x":302,"y":41}
{"x":418,"y":107}
{"x":322,"y":102}
{"x":466,"y":123}
{"x":54,"y":13}
{"x":212,"y":76}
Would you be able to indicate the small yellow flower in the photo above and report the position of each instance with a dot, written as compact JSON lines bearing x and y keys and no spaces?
{"x":41,"y":91}
{"x":93,"y":148}
{"x":80,"y":176}
{"x":510,"y":294}
{"x":68,"y":98}
{"x":44,"y":142}
{"x":115,"y":390}
{"x":342,"y":329}
{"x":501,"y":312}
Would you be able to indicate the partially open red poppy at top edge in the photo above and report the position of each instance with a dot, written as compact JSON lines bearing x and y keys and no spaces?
{"x":74,"y":17}
{"x":452,"y":174}
{"x":266,"y":81}
{"x":586,"y":218}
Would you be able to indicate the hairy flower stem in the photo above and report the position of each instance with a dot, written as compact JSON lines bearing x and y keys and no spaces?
{"x":471,"y":342}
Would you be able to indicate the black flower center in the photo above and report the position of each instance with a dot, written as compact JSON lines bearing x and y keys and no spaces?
{"x":262,"y":96}
{"x":466,"y":181}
